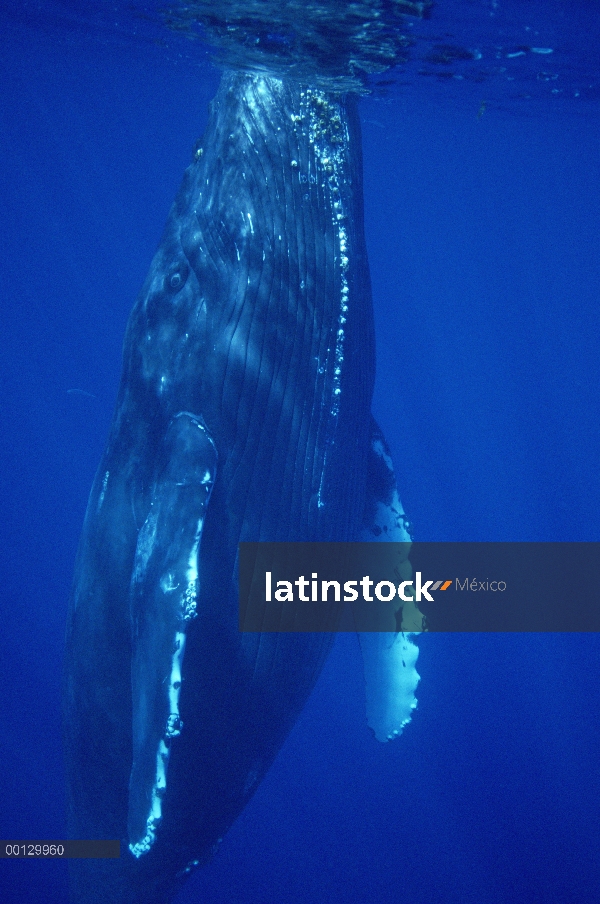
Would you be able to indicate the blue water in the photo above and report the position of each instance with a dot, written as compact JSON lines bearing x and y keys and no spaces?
{"x":483,"y":240}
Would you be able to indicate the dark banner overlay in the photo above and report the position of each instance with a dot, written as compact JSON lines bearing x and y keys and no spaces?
{"x":62,"y":850}
{"x":419,"y":586}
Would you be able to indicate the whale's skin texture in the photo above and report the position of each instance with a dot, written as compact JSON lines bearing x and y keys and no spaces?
{"x":243,"y":414}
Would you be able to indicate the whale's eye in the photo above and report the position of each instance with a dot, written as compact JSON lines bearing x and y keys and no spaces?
{"x":175,"y":279}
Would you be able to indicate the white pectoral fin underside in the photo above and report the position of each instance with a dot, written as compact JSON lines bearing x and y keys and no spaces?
{"x":163,"y":594}
{"x":388,"y":658}
{"x":390,"y":680}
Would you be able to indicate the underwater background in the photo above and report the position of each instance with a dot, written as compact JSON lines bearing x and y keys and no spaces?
{"x":482,"y":207}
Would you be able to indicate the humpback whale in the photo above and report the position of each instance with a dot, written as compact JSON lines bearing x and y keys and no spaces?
{"x":244,"y":413}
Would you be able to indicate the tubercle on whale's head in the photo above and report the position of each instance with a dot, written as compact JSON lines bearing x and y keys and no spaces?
{"x":322,"y":150}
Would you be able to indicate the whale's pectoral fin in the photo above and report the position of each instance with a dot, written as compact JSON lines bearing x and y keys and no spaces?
{"x":163,"y":593}
{"x":389,"y":657}
{"x":390,"y":680}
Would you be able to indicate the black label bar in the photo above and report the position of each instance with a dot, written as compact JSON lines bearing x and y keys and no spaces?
{"x":490,"y":587}
{"x":61,"y":850}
